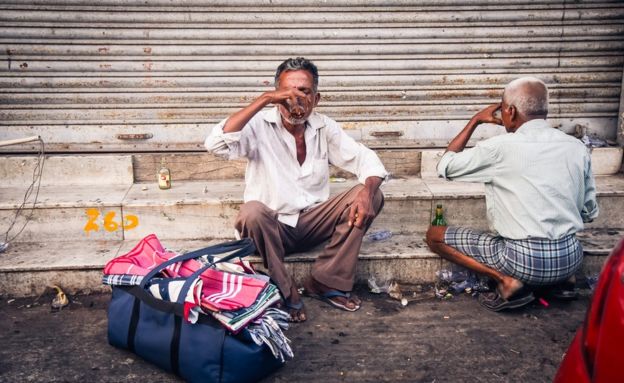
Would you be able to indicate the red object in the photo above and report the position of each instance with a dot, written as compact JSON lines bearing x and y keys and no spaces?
{"x":595,"y":354}
{"x":221,"y":290}
{"x":544,"y":302}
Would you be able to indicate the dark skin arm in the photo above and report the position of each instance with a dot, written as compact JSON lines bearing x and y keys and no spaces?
{"x":236,"y":122}
{"x":361,"y":212}
{"x":484,"y":116}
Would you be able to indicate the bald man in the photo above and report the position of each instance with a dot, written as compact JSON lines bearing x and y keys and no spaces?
{"x":539,"y":190}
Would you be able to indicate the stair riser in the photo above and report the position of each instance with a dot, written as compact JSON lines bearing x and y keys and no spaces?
{"x":421,"y":270}
{"x":65,"y":224}
{"x":611,"y":212}
{"x":205,"y":166}
{"x":184,"y":221}
{"x":466,"y":212}
{"x":34,"y":283}
{"x":213,"y":220}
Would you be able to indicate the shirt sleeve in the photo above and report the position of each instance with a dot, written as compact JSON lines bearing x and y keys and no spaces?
{"x":471,"y":165}
{"x":231,"y":145}
{"x":590,"y":206}
{"x":352,"y":156}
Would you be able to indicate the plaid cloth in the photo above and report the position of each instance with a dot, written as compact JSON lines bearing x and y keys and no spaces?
{"x":534,"y":261}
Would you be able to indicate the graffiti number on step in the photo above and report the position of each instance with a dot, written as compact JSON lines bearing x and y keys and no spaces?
{"x":108,"y":222}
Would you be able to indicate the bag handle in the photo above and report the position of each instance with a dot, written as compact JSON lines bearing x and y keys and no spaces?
{"x":245,"y":246}
{"x":191,"y":278}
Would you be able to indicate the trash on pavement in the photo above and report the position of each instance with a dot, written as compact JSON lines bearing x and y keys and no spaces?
{"x":392,"y":288}
{"x":394,"y":291}
{"x":543,"y":302}
{"x":458,"y":280}
{"x":60,"y":300}
{"x":379,"y":287}
{"x":379,"y":235}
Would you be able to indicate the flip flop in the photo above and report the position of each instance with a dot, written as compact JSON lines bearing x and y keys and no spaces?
{"x":327,"y":298}
{"x":565,"y":291}
{"x":495,"y":302}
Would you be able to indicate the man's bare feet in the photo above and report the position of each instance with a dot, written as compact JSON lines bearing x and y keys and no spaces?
{"x":508,"y":287}
{"x":342,"y":300}
{"x":295,"y":307}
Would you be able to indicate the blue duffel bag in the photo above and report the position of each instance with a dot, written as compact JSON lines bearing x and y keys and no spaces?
{"x":200,"y":352}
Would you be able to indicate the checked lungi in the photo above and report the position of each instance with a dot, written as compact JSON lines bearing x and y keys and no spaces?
{"x":534,"y":261}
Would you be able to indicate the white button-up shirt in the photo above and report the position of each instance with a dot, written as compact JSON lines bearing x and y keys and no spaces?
{"x":274,"y":176}
{"x":538,"y":181}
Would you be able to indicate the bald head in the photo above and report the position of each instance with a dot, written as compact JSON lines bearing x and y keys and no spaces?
{"x":529,"y":95}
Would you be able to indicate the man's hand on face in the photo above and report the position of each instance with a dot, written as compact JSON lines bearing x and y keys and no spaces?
{"x":281,"y":96}
{"x":487,"y":115}
{"x":361,"y":212}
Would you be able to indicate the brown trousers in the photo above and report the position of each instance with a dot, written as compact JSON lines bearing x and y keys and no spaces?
{"x":335,"y":267}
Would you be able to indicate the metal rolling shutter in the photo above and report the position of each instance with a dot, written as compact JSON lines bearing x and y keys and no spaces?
{"x":396,"y":73}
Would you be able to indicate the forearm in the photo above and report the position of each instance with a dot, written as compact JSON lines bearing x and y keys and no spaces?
{"x":459,"y":142}
{"x":237,"y":121}
{"x":372,"y":184}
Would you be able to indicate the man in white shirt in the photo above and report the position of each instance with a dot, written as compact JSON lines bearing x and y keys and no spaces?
{"x":287,"y":207}
{"x":539,"y":190}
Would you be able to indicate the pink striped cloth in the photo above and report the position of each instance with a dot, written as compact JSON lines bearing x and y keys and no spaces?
{"x":221,"y":291}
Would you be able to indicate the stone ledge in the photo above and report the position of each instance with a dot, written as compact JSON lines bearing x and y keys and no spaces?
{"x":27,"y":268}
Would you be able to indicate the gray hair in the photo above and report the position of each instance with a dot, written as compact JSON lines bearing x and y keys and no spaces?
{"x":298,"y":63}
{"x":529,"y":95}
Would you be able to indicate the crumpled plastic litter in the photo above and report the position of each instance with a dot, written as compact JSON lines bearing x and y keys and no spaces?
{"x":458,"y":280}
{"x":379,"y":235}
{"x":594,"y":142}
{"x":391,"y":288}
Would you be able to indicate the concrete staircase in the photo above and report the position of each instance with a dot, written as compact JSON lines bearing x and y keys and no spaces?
{"x":92,"y":208}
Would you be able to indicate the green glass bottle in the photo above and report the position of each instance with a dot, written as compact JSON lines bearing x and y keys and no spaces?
{"x":439,"y":217}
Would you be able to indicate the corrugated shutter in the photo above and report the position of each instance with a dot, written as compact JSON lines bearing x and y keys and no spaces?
{"x":151,"y":75}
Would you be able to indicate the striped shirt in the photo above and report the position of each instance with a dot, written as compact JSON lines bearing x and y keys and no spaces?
{"x":538,"y":181}
{"x":274,"y":176}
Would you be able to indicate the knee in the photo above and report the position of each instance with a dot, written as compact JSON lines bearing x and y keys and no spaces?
{"x":252,"y":214}
{"x":378,"y":201}
{"x":435,"y":236}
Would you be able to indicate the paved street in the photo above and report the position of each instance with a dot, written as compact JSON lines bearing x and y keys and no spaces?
{"x":427,"y":341}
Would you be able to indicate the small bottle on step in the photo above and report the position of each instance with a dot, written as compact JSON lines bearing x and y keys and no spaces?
{"x":164,"y":176}
{"x":439,"y":217}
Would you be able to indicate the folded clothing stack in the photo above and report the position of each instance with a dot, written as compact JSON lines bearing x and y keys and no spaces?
{"x":231,"y":292}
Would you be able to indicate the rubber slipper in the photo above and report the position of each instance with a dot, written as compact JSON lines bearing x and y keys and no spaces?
{"x":564,"y":295}
{"x":495,"y":302}
{"x":565,"y":291}
{"x":327,"y":298}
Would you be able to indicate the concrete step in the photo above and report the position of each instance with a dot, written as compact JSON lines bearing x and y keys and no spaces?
{"x":27,"y":268}
{"x":68,"y":170}
{"x":202,"y":209}
{"x":401,"y":162}
{"x":202,"y":166}
{"x":199,"y":166}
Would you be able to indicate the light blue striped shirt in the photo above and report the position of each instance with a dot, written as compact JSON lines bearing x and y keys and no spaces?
{"x":538,"y":181}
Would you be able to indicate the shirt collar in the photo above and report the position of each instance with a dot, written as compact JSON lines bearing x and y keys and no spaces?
{"x":273,"y":116}
{"x":534,"y":124}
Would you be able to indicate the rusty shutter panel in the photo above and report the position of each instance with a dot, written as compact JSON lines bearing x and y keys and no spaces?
{"x":134,"y":76}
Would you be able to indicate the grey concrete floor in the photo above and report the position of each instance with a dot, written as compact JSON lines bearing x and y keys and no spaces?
{"x":427,"y":341}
